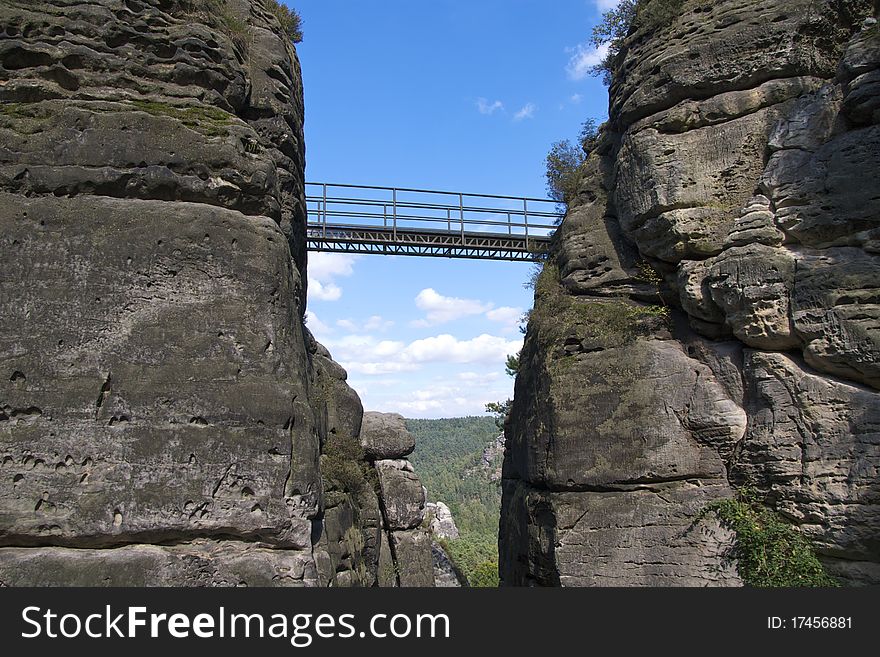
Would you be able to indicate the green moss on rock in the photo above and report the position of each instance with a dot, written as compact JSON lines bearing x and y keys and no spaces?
{"x":606,"y":323}
{"x":24,"y":118}
{"x":344,"y":466}
{"x":210,"y":121}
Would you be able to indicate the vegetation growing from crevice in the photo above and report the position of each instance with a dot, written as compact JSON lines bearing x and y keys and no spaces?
{"x":511,"y":365}
{"x":564,"y":165}
{"x":291,"y":21}
{"x":648,"y":274}
{"x":24,"y":118}
{"x":613,"y":322}
{"x":218,"y":14}
{"x":344,"y":466}
{"x":499,"y":411}
{"x":770,"y":552}
{"x":449,"y":461}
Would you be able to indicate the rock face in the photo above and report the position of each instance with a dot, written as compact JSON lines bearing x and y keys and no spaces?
{"x":385,"y":436}
{"x":445,"y":573}
{"x":375,"y":530}
{"x":165,"y":417}
{"x":710,"y":316}
{"x":157,"y":377}
{"x":442,"y":523}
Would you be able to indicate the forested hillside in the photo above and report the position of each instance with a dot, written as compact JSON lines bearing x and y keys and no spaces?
{"x":449,"y":459}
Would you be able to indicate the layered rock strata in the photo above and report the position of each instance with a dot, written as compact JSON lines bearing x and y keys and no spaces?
{"x":164,"y":414}
{"x":709,"y":319}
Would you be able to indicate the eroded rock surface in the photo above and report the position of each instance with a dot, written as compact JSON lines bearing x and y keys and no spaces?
{"x":165,"y":417}
{"x":385,"y":436}
{"x":158,"y":380}
{"x":709,"y":318}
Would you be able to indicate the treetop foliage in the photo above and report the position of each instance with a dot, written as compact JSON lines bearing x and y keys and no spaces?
{"x":628,"y":17}
{"x":291,"y":21}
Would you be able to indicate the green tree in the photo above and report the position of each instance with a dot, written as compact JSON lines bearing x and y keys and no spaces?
{"x":563,"y":169}
{"x":564,"y":165}
{"x":511,"y":366}
{"x":449,"y":458}
{"x":291,"y":21}
{"x":628,"y":17}
{"x":500,"y":410}
{"x":485,"y":574}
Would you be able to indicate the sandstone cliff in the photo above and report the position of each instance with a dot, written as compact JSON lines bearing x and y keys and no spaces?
{"x":709,"y":319}
{"x":163,"y":410}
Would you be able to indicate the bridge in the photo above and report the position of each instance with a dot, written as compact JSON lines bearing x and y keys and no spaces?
{"x":425,"y":222}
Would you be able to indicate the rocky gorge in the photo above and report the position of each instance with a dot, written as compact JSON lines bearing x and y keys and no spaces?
{"x":708,"y":321}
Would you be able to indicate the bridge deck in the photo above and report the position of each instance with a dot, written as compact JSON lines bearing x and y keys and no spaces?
{"x":396,"y":221}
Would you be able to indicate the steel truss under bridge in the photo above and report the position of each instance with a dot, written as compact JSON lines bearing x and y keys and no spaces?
{"x":425,"y":222}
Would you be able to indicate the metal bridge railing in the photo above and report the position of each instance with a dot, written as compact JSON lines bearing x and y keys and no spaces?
{"x":333,"y":206}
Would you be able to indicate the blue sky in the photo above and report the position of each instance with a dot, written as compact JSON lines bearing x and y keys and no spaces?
{"x":450,"y":95}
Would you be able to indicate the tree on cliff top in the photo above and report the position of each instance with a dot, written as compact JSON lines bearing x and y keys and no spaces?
{"x":627,"y":17}
{"x":291,"y":21}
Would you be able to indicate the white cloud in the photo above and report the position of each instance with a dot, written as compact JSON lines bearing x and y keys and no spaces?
{"x":584,"y":58}
{"x":328,"y":265}
{"x":377,"y":368}
{"x":316,"y":326}
{"x":376,"y":323}
{"x":525,"y":112}
{"x":576,"y":98}
{"x":447,"y":348}
{"x":373,"y":323}
{"x":480,"y":378}
{"x":485,"y":107}
{"x":605,"y":5}
{"x":364,"y":354}
{"x":442,"y":309}
{"x":507,"y":316}
{"x":442,"y":401}
{"x":323,"y":268}
{"x":323,"y":291}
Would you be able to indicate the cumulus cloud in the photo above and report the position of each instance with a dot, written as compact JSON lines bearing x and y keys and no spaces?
{"x":584,"y":58}
{"x":377,"y":368}
{"x":316,"y":326}
{"x":440,"y":401}
{"x":576,"y":98}
{"x":484,"y":348}
{"x":440,"y":309}
{"x":376,"y":323}
{"x":324,"y":291}
{"x":485,"y":107}
{"x":364,"y":354}
{"x":525,"y":112}
{"x":480,"y":378}
{"x":323,"y":268}
{"x":373,"y":323}
{"x":506,"y":316}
